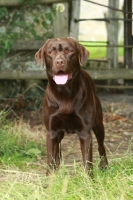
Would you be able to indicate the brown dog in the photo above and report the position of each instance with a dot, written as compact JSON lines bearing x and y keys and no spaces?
{"x":70,"y":103}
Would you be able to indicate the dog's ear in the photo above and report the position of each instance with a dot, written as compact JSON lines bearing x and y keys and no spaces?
{"x":40,"y":54}
{"x":83,"y":54}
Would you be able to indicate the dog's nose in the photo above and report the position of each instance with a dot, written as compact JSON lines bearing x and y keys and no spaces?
{"x":60,"y":62}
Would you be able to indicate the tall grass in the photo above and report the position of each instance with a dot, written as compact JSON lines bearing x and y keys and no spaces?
{"x":19,"y":182}
{"x":114,"y":183}
{"x":18,"y":146}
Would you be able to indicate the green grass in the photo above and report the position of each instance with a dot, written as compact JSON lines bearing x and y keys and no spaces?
{"x":114,"y":183}
{"x":99,"y":52}
{"x":20,"y":181}
{"x":17,"y":146}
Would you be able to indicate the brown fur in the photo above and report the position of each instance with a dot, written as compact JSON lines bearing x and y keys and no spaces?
{"x":73,"y":107}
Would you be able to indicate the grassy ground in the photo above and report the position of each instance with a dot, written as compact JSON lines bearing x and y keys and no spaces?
{"x":114,"y":183}
{"x":19,"y":144}
{"x":22,"y":171}
{"x":99,"y":52}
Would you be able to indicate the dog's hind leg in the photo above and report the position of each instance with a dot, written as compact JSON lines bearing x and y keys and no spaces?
{"x":98,"y":129}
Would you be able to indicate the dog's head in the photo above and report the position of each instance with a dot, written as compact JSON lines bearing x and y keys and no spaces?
{"x":62,"y":57}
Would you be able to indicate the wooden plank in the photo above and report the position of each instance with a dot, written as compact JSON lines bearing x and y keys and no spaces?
{"x":36,"y":44}
{"x":17,"y":2}
{"x":28,"y":44}
{"x":17,"y":74}
{"x":74,"y":27}
{"x":111,"y":74}
{"x":120,"y":87}
{"x":95,"y":74}
{"x":112,"y":35}
{"x":61,"y":22}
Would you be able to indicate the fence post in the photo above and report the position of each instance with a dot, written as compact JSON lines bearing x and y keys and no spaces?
{"x":61,"y":22}
{"x":74,"y":27}
{"x":112,"y":35}
{"x":128,"y":40}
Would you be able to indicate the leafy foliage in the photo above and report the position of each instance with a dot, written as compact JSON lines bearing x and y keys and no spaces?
{"x":29,"y":21}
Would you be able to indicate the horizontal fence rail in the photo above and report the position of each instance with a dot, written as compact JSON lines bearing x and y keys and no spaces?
{"x":104,"y":19}
{"x":35,"y":45}
{"x":96,"y":74}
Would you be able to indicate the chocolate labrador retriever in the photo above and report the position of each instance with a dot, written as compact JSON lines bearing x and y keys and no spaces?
{"x":70,"y":103}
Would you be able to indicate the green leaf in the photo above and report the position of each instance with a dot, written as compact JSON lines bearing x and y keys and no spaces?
{"x":21,"y":1}
{"x":22,"y":23}
{"x":53,"y":11}
{"x":30,"y":3}
{"x":3,"y":12}
{"x":36,"y":19}
{"x":47,"y":15}
{"x":2,"y":52}
{"x":7,"y":45}
{"x":45,"y":25}
{"x":12,"y":24}
{"x":51,"y":19}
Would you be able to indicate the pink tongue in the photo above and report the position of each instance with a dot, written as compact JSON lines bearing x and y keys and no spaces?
{"x":60,"y":79}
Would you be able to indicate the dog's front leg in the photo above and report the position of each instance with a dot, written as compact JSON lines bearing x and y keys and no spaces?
{"x":86,"y":149}
{"x":52,"y":153}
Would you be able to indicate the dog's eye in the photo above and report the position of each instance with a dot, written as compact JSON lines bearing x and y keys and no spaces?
{"x":71,"y":50}
{"x":52,"y":51}
{"x":68,"y":50}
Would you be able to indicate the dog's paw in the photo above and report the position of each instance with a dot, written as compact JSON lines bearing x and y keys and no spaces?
{"x":103,"y":163}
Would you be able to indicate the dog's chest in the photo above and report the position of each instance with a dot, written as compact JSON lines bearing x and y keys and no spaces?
{"x":70,"y":123}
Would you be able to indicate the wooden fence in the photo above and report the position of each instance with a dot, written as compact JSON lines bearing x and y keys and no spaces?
{"x":65,"y":24}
